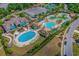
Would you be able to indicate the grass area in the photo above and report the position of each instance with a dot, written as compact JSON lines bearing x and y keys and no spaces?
{"x":76,"y":36}
{"x":0,"y":43}
{"x":75,"y":49}
{"x":76,"y":44}
{"x":51,"y":49}
{"x":4,"y":42}
{"x":77,"y":28}
{"x":39,"y":46}
{"x":19,"y":51}
{"x":2,"y":52}
{"x":23,"y":50}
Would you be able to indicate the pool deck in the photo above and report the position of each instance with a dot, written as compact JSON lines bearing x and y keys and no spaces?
{"x":21,"y":44}
{"x":59,"y":14}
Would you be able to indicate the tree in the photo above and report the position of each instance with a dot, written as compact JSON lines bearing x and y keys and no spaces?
{"x":1,"y":22}
{"x":1,"y":31}
{"x":73,"y":7}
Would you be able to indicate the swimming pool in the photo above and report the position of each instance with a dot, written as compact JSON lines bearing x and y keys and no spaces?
{"x":26,"y":36}
{"x":50,"y":25}
{"x":52,"y":17}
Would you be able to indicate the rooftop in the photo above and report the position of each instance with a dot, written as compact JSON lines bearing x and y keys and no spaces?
{"x":13,"y":22}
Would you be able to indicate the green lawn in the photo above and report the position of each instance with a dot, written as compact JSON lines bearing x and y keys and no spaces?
{"x":76,"y":36}
{"x":77,"y":28}
{"x":18,"y":51}
{"x":0,"y":43}
{"x":51,"y":49}
{"x":76,"y":45}
{"x":2,"y":52}
{"x":75,"y":49}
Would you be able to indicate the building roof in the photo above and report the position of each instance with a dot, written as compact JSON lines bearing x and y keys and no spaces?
{"x":10,"y":23}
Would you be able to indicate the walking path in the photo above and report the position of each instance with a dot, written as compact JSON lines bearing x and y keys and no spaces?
{"x":10,"y":39}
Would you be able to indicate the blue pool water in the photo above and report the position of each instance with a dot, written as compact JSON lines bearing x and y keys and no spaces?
{"x":49,"y":25}
{"x":26,"y":36}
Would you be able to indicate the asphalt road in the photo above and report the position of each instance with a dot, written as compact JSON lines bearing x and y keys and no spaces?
{"x":68,"y":49}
